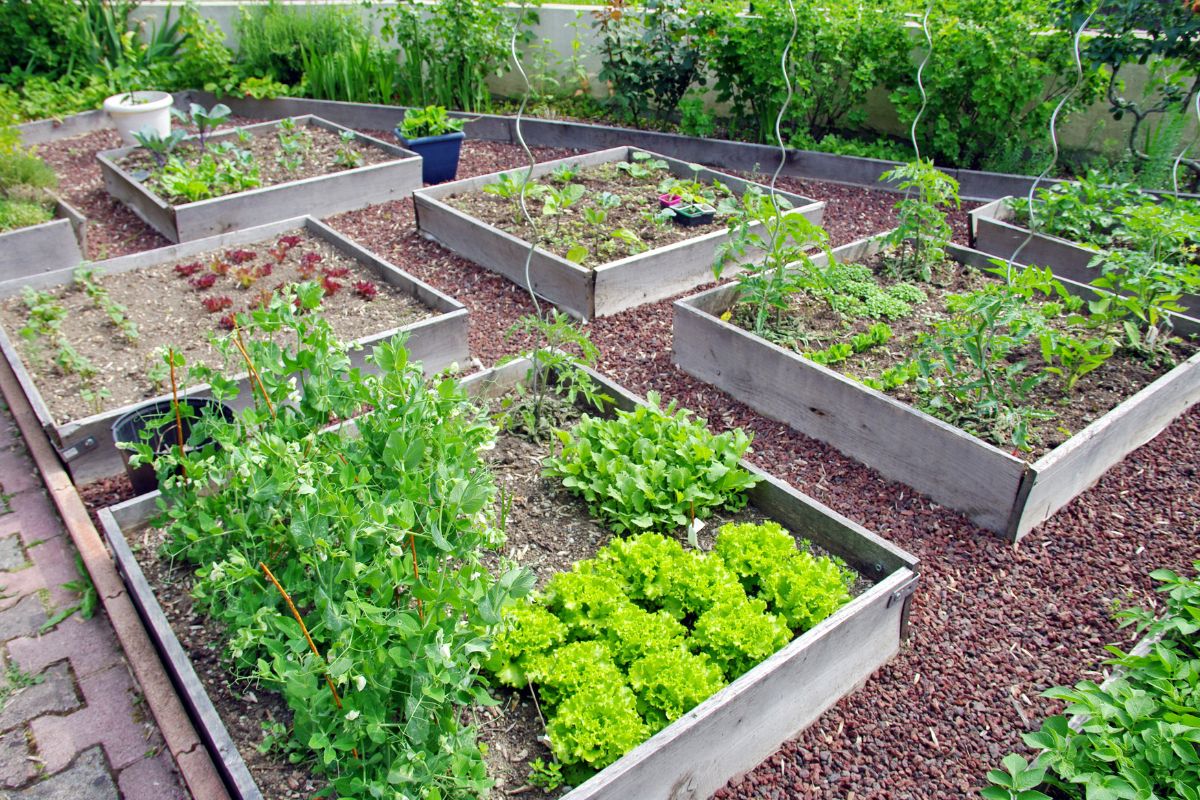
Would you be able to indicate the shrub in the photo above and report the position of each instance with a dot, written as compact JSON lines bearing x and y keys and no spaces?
{"x":274,"y":38}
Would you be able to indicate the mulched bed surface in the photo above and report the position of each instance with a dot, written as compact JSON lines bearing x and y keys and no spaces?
{"x":992,"y":624}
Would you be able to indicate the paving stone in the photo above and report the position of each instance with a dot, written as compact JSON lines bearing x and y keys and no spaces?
{"x":107,"y":718}
{"x":89,"y":644}
{"x":87,"y":778}
{"x":15,"y":766}
{"x":55,"y":694}
{"x":33,"y":517}
{"x":22,"y":619}
{"x":12,"y":555}
{"x":151,"y":779}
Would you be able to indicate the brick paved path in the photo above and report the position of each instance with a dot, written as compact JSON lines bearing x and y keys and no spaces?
{"x":72,"y":722}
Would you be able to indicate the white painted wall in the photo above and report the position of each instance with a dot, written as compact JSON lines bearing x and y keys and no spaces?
{"x":558,"y":25}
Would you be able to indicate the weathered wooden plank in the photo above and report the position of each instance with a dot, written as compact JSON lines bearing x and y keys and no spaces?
{"x":39,"y":248}
{"x":1078,"y":463}
{"x":437,"y":342}
{"x":321,"y":195}
{"x":998,"y":491}
{"x":609,"y":288}
{"x":228,"y":761}
{"x":901,"y":443}
{"x":994,"y":230}
{"x":737,"y":727}
{"x":560,"y":282}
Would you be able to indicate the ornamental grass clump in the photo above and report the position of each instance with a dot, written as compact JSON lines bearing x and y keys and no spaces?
{"x":653,"y":468}
{"x":344,"y":562}
{"x":630,"y":640}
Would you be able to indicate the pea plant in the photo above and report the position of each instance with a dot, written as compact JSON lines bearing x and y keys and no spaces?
{"x":344,"y":562}
{"x":923,"y":227}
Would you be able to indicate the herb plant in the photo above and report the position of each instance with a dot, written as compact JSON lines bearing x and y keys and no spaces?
{"x":653,"y":468}
{"x":375,"y":533}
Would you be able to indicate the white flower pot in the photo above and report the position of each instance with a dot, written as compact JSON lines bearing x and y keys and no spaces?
{"x":147,"y":109}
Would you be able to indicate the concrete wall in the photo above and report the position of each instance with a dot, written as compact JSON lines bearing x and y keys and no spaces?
{"x":559,"y":25}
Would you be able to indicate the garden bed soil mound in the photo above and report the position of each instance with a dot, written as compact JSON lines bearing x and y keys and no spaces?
{"x":812,"y":325}
{"x":558,"y":234}
{"x":168,"y":311}
{"x":320,"y":157}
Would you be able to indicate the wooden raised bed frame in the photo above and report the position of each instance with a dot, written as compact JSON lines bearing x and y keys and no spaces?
{"x":580,"y":291}
{"x":719,"y":740}
{"x":58,"y":244}
{"x":994,"y":231}
{"x":318,"y":196}
{"x":997,"y":490}
{"x":86,"y":443}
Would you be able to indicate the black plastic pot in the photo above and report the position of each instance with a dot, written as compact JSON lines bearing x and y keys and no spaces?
{"x":691,"y":216}
{"x":439,"y":155}
{"x":129,"y":427}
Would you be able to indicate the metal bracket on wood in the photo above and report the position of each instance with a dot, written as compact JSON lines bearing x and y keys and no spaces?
{"x":904,"y":594}
{"x":79,"y":448}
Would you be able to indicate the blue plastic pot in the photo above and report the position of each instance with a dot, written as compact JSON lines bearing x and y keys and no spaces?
{"x":439,"y":155}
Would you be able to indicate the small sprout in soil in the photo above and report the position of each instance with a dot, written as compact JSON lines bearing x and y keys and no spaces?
{"x":308,"y":264}
{"x":240,"y":256}
{"x":265,"y":270}
{"x":336,"y":272}
{"x":330,"y":286}
{"x":245,"y":276}
{"x":289,"y":241}
{"x":202,"y":282}
{"x":214,"y":304}
{"x":346,"y":155}
{"x":227,"y":322}
{"x":188,"y":270}
{"x":366,"y":290}
{"x":219,"y":266}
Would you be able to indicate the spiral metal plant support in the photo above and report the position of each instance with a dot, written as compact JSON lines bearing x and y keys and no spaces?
{"x":787,"y":101}
{"x":1183,"y":153}
{"x":912,"y":133}
{"x":1066,"y":98}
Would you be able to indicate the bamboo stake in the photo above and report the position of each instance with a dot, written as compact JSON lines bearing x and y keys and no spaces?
{"x":178,"y":416}
{"x":255,"y":379}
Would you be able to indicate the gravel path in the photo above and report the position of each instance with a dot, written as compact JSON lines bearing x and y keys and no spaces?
{"x":992,"y":626}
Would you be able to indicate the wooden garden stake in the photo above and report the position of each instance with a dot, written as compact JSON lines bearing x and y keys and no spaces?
{"x":237,"y":340}
{"x":337,"y":701}
{"x":178,"y":416}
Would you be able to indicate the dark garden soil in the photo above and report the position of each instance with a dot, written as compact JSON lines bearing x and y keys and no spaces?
{"x":168,"y":308}
{"x":321,"y":150}
{"x":992,"y":624}
{"x":569,"y":229}
{"x":811,"y":325}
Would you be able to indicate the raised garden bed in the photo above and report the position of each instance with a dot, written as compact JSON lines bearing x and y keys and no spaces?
{"x":996,"y":489}
{"x":722,"y":737}
{"x":389,"y":172}
{"x":171,"y":307}
{"x":995,"y":230}
{"x":54,"y":245}
{"x":683,"y":262}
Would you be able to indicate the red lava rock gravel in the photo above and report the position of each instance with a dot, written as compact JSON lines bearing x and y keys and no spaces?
{"x":992,"y":625}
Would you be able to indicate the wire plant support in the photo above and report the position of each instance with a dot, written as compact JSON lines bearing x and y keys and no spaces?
{"x":1062,"y":103}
